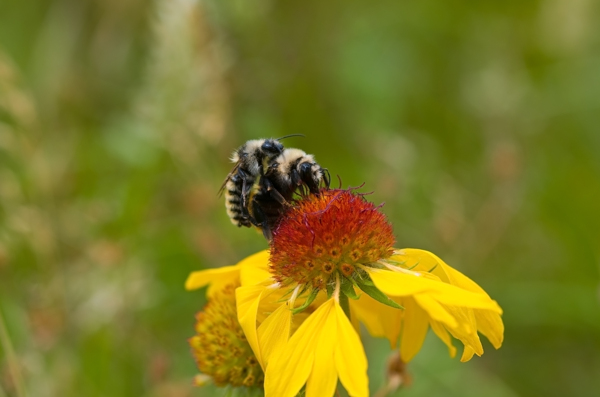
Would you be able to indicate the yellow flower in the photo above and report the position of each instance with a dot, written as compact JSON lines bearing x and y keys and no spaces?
{"x":434,"y":295}
{"x":331,"y":266}
{"x":249,"y":271}
{"x":219,"y":346}
{"x":325,"y":347}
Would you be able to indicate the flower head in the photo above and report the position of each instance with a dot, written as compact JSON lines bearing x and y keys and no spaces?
{"x":220,"y":346}
{"x":331,"y":266}
{"x":335,"y":232}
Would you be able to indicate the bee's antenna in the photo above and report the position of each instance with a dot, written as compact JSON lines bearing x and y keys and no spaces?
{"x":289,"y":136}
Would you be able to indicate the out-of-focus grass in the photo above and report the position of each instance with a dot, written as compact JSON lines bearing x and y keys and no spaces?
{"x":475,"y":122}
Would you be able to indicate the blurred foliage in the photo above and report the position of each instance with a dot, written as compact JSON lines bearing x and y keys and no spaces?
{"x":476,"y":123}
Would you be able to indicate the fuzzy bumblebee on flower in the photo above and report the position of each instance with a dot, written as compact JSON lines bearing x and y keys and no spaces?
{"x":332,"y":265}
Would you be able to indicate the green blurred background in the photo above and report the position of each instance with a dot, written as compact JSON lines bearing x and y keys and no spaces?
{"x":477,"y":123}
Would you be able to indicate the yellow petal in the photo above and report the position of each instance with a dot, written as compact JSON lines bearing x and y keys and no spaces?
{"x":250,"y":271}
{"x":467,"y":354}
{"x":435,"y":310}
{"x":367,"y":310}
{"x":323,"y":376}
{"x":350,"y":358}
{"x":415,"y":324}
{"x":457,"y":278}
{"x":274,"y":332}
{"x":380,"y":320}
{"x":255,"y":268}
{"x":401,"y":284}
{"x":217,"y":278}
{"x":420,"y":260}
{"x":429,"y":260}
{"x":247,"y":300}
{"x":443,"y":334}
{"x":467,"y":331}
{"x":289,"y":368}
{"x":354,"y":318}
{"x":490,"y":324}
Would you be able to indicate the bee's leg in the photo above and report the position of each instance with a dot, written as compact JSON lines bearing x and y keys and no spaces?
{"x":277,"y":196}
{"x":295,"y":177}
{"x":252,"y":214}
{"x":268,"y":186}
{"x":307,"y":177}
{"x":267,"y":233}
{"x":247,"y":184}
{"x":266,"y":229}
{"x":326,"y":177}
{"x":246,"y":219}
{"x":243,"y":221}
{"x":260,"y":219}
{"x":254,"y":221}
{"x":251,"y":220}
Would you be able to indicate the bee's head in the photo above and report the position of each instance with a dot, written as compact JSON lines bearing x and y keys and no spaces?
{"x":271,"y":148}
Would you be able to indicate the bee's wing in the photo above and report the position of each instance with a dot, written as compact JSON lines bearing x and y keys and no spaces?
{"x":233,"y":172}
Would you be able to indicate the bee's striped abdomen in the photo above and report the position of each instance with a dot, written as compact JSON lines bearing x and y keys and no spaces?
{"x":233,"y":202}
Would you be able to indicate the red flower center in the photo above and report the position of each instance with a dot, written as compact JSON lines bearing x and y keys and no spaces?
{"x":334,"y":231}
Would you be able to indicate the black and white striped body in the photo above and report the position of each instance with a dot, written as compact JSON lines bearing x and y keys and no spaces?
{"x":251,"y":159}
{"x":233,"y":200}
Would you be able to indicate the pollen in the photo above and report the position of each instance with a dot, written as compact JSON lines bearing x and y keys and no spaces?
{"x":337,"y":230}
{"x":220,"y":347}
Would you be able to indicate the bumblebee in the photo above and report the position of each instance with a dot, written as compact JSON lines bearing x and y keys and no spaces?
{"x":293,"y":171}
{"x":251,"y":159}
{"x":264,"y":180}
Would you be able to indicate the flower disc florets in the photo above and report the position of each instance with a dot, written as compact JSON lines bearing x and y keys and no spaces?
{"x":333,"y":233}
{"x":220,"y":346}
